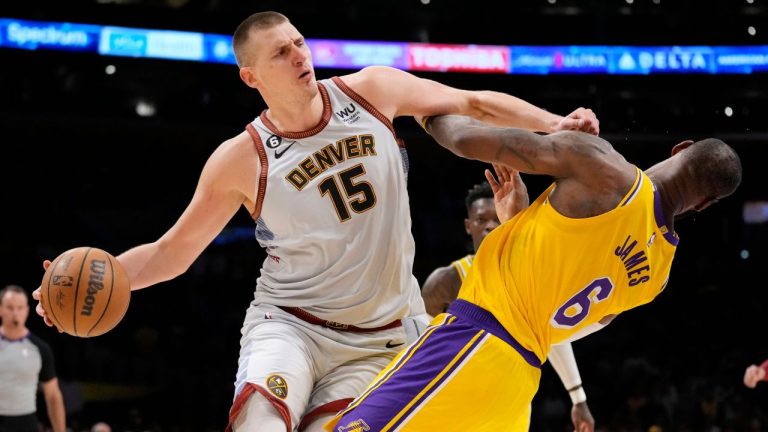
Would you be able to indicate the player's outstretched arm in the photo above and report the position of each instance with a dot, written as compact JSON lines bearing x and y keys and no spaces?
{"x":564,"y":363}
{"x":557,"y":154}
{"x":226,"y":182}
{"x":398,"y":93}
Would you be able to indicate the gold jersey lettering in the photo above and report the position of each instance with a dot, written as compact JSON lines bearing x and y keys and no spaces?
{"x":329,"y":156}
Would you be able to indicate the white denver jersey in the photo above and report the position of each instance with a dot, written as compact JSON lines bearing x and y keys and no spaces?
{"x":334,"y":217}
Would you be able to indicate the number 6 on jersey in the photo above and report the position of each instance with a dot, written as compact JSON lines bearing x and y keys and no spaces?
{"x":576,"y":308}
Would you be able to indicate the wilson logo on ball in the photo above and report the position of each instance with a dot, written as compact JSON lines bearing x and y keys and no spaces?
{"x":95,"y":284}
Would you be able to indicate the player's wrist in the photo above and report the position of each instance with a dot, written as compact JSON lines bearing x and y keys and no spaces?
{"x":425,"y":123}
{"x":553,"y":124}
{"x":577,"y":394}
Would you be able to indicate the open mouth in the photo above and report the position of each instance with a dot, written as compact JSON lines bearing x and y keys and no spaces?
{"x":304,"y":75}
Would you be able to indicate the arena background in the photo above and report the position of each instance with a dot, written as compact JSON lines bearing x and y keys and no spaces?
{"x":80,"y":167}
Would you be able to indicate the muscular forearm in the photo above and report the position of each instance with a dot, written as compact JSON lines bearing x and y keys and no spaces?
{"x":468,"y":138}
{"x":149,"y":264}
{"x":501,"y":109}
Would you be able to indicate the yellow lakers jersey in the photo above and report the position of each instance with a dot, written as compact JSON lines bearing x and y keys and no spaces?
{"x":545,"y":276}
{"x":462,"y":266}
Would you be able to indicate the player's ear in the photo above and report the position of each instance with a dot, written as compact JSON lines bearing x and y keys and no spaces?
{"x":248,"y":77}
{"x":680,"y":146}
{"x":466,"y":226}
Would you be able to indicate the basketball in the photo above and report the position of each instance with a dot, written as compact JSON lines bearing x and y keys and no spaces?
{"x":85,"y":292}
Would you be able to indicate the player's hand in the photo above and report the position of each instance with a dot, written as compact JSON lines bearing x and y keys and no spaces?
{"x":582,"y":419}
{"x":509,"y":192}
{"x":582,"y":119}
{"x":753,"y":375}
{"x":36,"y":295}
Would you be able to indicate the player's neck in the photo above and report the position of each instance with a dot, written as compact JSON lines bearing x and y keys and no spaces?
{"x":296,"y":116}
{"x":670,"y":202}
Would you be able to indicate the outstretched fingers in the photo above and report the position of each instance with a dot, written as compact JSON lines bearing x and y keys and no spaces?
{"x":36,"y":295}
{"x":492,"y":181}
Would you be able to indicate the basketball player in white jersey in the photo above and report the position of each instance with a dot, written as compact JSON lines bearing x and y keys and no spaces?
{"x":324,"y":177}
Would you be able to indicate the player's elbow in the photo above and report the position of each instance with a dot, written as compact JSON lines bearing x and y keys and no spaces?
{"x":174,"y":259}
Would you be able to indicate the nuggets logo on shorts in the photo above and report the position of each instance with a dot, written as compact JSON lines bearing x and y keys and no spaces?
{"x":358,"y":425}
{"x":277,"y":385}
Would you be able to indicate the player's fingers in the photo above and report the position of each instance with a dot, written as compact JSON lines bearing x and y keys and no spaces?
{"x":499,"y":173}
{"x":571,"y":124}
{"x":596,"y":126}
{"x":507,"y":174}
{"x":46,"y":264}
{"x":36,"y":294}
{"x":502,"y":172}
{"x":40,"y":311}
{"x":491,"y":181}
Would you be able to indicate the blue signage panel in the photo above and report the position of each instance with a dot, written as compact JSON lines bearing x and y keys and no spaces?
{"x":343,"y":54}
{"x":32,"y":35}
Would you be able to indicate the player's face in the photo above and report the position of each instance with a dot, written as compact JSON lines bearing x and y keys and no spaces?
{"x":14,"y":309}
{"x":481,"y":220}
{"x":281,"y":61}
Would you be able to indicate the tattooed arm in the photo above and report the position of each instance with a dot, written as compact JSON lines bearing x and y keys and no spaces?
{"x":591,"y":175}
{"x":557,"y":154}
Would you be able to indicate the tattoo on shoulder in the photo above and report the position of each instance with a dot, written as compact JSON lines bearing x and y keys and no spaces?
{"x":590,"y":145}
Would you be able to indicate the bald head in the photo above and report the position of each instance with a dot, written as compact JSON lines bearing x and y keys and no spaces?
{"x":255,"y":22}
{"x":714,"y":167}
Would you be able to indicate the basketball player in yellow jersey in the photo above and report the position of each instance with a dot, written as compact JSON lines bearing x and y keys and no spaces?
{"x":597,"y":242}
{"x":487,"y":204}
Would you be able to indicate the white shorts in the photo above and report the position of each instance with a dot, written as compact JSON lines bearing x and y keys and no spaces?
{"x":305,"y":369}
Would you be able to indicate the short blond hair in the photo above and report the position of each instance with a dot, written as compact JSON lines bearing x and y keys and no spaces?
{"x":257,"y":21}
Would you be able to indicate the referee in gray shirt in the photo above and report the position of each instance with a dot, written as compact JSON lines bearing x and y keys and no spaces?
{"x":25,"y":362}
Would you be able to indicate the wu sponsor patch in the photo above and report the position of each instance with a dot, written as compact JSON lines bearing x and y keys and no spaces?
{"x":277,"y":386}
{"x":349,"y":114}
{"x":358,"y":425}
